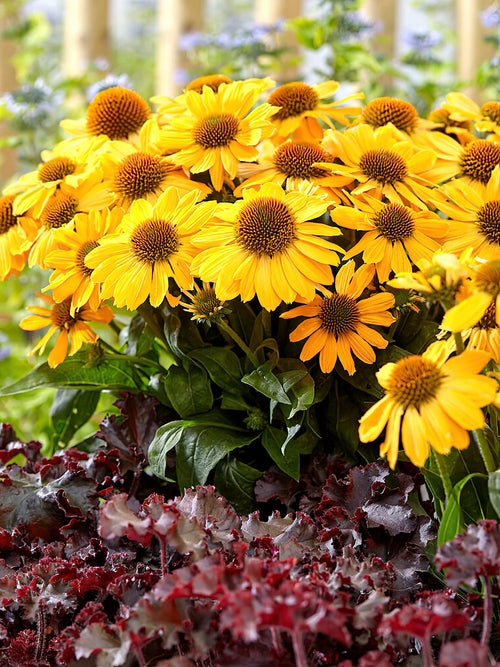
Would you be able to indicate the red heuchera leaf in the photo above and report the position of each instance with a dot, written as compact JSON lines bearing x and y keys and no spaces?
{"x":433,"y":614}
{"x":465,"y":653}
{"x":474,"y":553}
{"x":292,"y":535}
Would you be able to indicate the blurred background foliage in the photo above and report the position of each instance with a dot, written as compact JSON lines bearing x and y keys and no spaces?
{"x":336,"y":40}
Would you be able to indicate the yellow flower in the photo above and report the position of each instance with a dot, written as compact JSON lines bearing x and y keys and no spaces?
{"x":472,"y":163}
{"x":91,"y":194}
{"x":59,"y":318}
{"x":204,"y":306}
{"x":143,"y":172}
{"x":117,"y":113}
{"x":484,"y":335}
{"x":151,"y":245}
{"x":381,"y":164}
{"x":69,"y":162}
{"x":395,"y":234}
{"x":336,"y":324}
{"x":461,"y":108}
{"x":264,"y":245}
{"x":16,"y":236}
{"x":430,"y":401}
{"x":474,"y":213}
{"x":218,"y":130}
{"x":293,"y":164}
{"x":439,"y":278}
{"x":478,"y":294}
{"x":442,"y":122}
{"x":71,"y":278}
{"x":302,"y":107}
{"x":391,"y":110}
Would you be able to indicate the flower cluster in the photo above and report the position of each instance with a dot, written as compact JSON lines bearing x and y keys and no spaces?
{"x":220,"y":197}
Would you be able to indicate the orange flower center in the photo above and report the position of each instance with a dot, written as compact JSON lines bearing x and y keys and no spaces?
{"x":488,"y":221}
{"x":296,"y":160}
{"x":487,"y":278}
{"x":383,"y":110}
{"x":383,"y":166}
{"x":265,"y":226}
{"x":154,"y":241}
{"x":7,"y":218}
{"x":117,"y":112}
{"x":59,"y":211}
{"x":488,"y":320}
{"x":215,"y":131}
{"x":479,"y":158}
{"x":81,"y":253}
{"x":492,"y":111}
{"x":213,"y":81}
{"x":56,"y":169}
{"x":139,"y":174}
{"x":60,"y":315}
{"x":395,"y":222}
{"x":294,"y":99}
{"x":339,"y":314}
{"x":414,"y":381}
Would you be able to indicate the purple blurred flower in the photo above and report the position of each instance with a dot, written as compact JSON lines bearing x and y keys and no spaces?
{"x":109,"y":82}
{"x":423,"y":40}
{"x":490,"y":17}
{"x":190,"y":40}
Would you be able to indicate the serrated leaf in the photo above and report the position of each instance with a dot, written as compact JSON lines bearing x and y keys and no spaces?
{"x":203,"y":442}
{"x":77,"y":372}
{"x":265,"y":382}
{"x":222,"y":365}
{"x":235,"y":480}
{"x":494,"y":490}
{"x":188,"y":390}
{"x":70,"y":410}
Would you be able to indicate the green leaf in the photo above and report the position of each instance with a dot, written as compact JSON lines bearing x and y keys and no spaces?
{"x":188,"y":390}
{"x":82,"y":371}
{"x":265,"y":382}
{"x":181,"y":333}
{"x":204,"y":441}
{"x":301,"y":390}
{"x":71,"y":409}
{"x":273,"y":440}
{"x":221,"y":364}
{"x":165,"y":439}
{"x":452,"y":521}
{"x":494,"y":490}
{"x":235,"y":480}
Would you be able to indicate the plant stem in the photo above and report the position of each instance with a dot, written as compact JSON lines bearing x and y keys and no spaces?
{"x":482,"y":443}
{"x":298,"y":649}
{"x":427,"y":653}
{"x":239,"y":341}
{"x":487,"y":611}
{"x":443,"y":471}
{"x":114,"y":354}
{"x":459,"y":342}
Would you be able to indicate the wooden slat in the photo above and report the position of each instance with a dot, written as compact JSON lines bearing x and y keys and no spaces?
{"x":471,"y":49}
{"x":86,"y":34}
{"x":8,"y":83}
{"x":384,"y":13}
{"x":175,"y":18}
{"x":269,"y":12}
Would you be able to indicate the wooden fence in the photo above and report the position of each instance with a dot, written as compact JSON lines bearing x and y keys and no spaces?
{"x":87,"y":37}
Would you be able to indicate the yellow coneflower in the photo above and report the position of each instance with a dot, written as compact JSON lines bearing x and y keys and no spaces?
{"x":484,"y":335}
{"x":71,"y":277}
{"x":379,"y":164}
{"x":440,"y":278}
{"x":293,"y":164}
{"x":58,"y":317}
{"x":69,"y":162}
{"x":395,"y":235}
{"x":265,"y":245}
{"x":396,"y":112}
{"x":205,"y":306}
{"x":302,"y":107}
{"x":143,"y":172}
{"x":151,"y":246}
{"x":218,"y":130}
{"x":461,"y":108}
{"x":474,"y":213}
{"x":337,"y":322}
{"x":442,"y":122}
{"x":61,"y":208}
{"x":117,"y":113}
{"x":16,"y":237}
{"x":431,"y":401}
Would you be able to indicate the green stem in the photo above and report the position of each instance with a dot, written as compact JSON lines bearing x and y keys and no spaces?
{"x":239,"y":341}
{"x":480,"y":439}
{"x":443,"y":471}
{"x":114,"y":354}
{"x":459,"y":342}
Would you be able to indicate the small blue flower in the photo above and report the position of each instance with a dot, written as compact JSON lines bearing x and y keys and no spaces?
{"x":423,"y":41}
{"x":110,"y":81}
{"x":490,"y":17}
